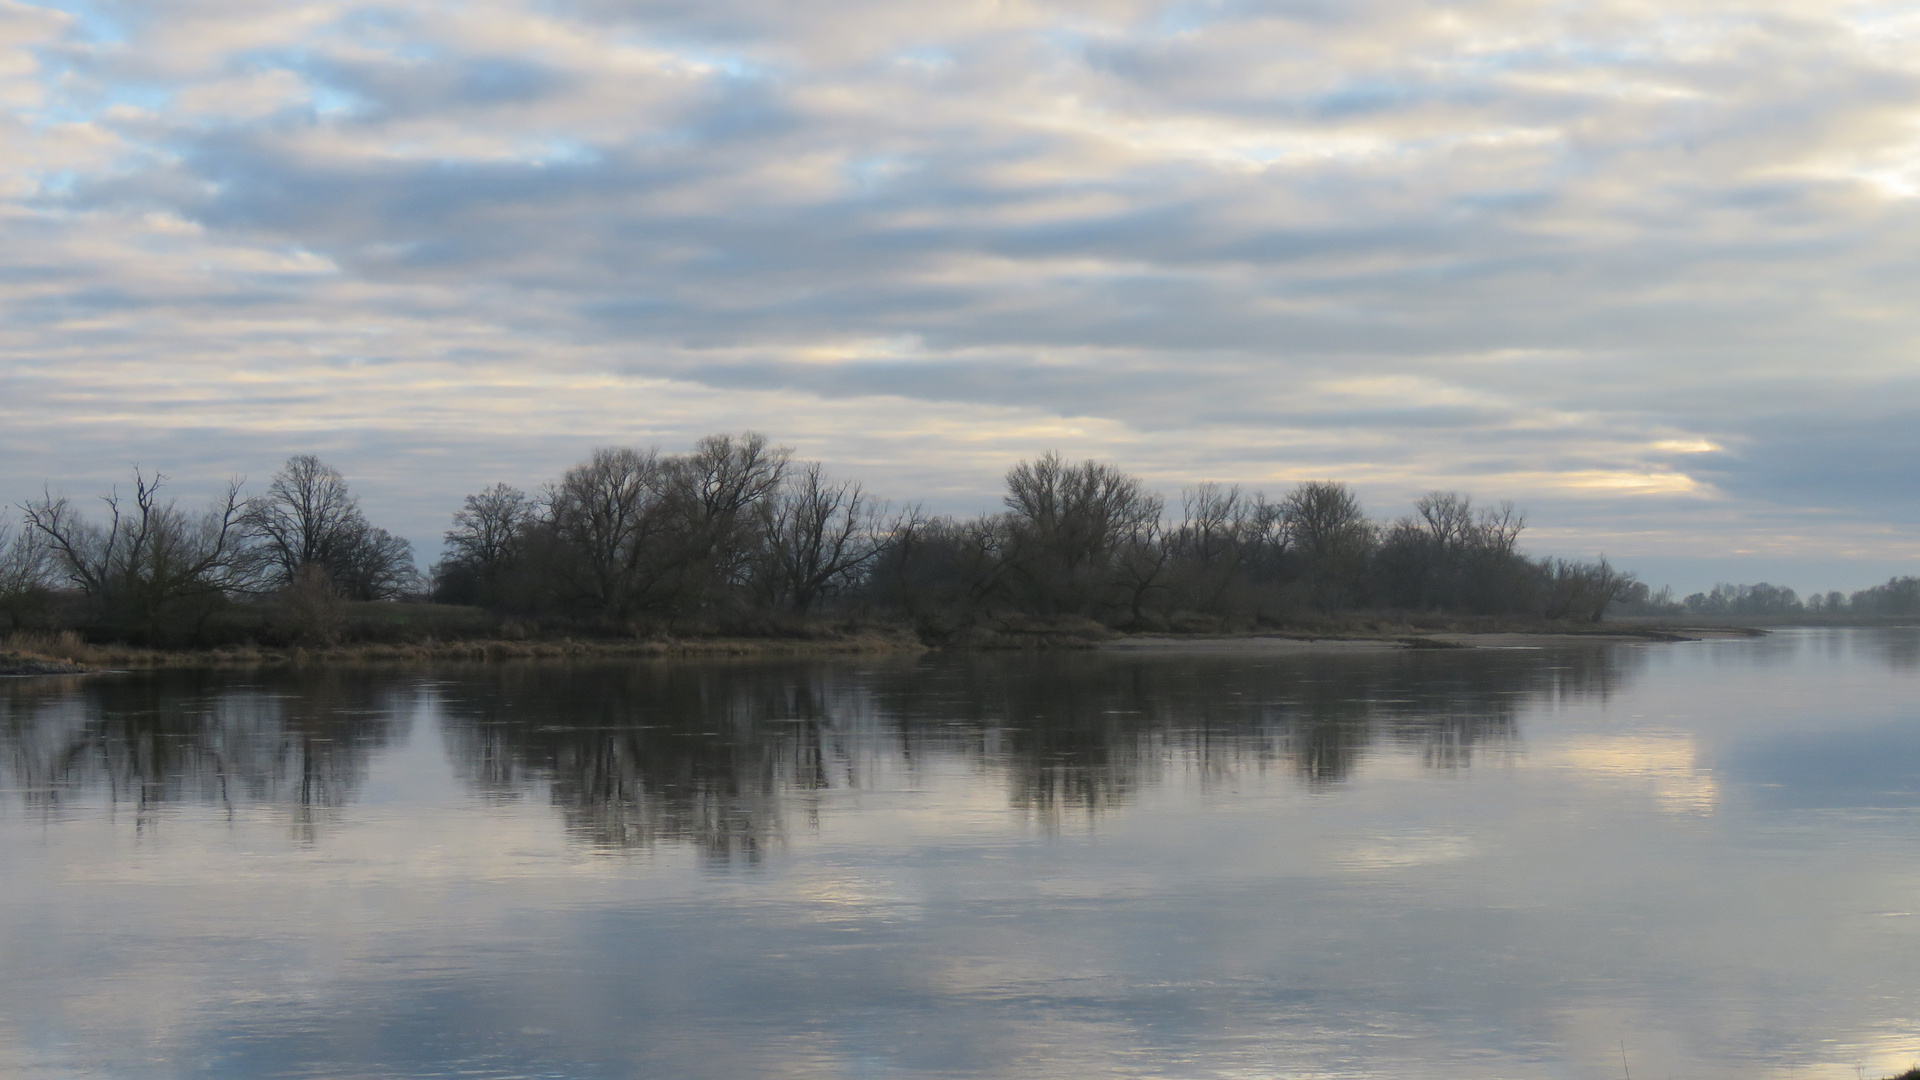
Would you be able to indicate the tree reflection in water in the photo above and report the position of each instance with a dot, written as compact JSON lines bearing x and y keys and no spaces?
{"x":300,"y":740}
{"x":1899,"y":647}
{"x":713,"y":754}
{"x":728,"y":756}
{"x":722,"y":755}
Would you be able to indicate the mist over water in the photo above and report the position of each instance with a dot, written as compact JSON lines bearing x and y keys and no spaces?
{"x":1435,"y":863}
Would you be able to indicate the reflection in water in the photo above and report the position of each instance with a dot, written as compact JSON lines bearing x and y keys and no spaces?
{"x":718,"y":755}
{"x":634,"y":754}
{"x":1666,"y":761}
{"x":300,"y":741}
{"x":1016,"y":867}
{"x":1898,"y":646}
{"x":721,"y":754}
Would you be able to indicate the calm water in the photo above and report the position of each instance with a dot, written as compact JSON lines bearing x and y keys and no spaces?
{"x":1427,"y":864}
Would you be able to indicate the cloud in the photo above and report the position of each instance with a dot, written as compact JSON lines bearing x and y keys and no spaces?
{"x":1642,"y":268}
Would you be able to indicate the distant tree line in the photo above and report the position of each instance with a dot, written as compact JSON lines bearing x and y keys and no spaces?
{"x":1899,"y":597}
{"x":737,"y":535}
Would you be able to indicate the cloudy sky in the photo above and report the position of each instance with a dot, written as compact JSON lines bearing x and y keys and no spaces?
{"x":1645,"y":268}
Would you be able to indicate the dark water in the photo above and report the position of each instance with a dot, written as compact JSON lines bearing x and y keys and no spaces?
{"x":1422,"y":864}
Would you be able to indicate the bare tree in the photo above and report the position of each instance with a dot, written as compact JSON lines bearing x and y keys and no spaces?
{"x":1068,"y":521}
{"x":718,"y":489}
{"x":1497,"y":529}
{"x":305,"y":516}
{"x":487,"y":543}
{"x":26,"y":575}
{"x":1209,"y":515}
{"x":486,"y":530}
{"x":1448,"y":555}
{"x":1324,"y":517}
{"x":817,"y":535}
{"x":376,"y":565}
{"x":1219,"y":531}
{"x":726,"y":475}
{"x":1327,"y":528}
{"x":941,"y":572}
{"x":1581,"y":590}
{"x":150,"y":561}
{"x":639,"y":532}
{"x":1078,"y":511}
{"x":1141,"y":565}
{"x":308,"y":517}
{"x":607,"y":513}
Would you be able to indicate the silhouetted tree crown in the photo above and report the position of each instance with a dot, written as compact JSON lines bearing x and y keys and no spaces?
{"x":149,"y":566}
{"x":735,"y":530}
{"x":308,"y":518}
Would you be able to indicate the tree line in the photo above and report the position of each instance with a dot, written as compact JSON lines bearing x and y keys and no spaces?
{"x":737,"y":534}
{"x":141,"y":567}
{"x":736,"y":528}
{"x":1898,"y":597}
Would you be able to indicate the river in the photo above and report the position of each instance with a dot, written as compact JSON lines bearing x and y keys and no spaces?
{"x":1692,"y":860}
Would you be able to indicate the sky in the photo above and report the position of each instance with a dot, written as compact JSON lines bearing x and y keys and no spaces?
{"x":1645,"y":269}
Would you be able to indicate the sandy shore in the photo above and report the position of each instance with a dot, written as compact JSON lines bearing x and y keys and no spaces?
{"x":1275,"y":643}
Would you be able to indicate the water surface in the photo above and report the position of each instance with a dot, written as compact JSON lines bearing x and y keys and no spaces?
{"x":1435,"y":864}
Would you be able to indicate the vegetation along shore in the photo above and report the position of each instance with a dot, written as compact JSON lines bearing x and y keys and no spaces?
{"x":735,"y":546}
{"x":67,"y":654}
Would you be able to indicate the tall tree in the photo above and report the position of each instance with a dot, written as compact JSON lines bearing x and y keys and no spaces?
{"x":1333,"y":538}
{"x":308,"y":517}
{"x":717,"y":492}
{"x":607,"y":515}
{"x":817,"y":535}
{"x":487,"y":542}
{"x":26,"y":576}
{"x":1067,"y":523}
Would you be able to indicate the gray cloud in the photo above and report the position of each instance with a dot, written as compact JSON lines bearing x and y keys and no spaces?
{"x":1647,"y":272}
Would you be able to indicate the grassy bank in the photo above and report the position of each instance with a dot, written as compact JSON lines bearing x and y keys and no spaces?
{"x":435,"y":633}
{"x":19,"y":662}
{"x":29,"y":654}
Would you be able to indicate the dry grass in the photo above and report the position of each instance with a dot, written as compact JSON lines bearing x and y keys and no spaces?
{"x":68,"y":646}
{"x":50,"y":645}
{"x":433,"y":636}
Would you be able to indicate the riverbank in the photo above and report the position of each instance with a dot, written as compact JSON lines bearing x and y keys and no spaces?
{"x":70,"y":656}
{"x":66,"y":654}
{"x":1378,"y":642}
{"x":16,"y":664}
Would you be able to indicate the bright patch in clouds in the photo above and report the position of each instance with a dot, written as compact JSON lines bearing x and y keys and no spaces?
{"x":1647,"y":269}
